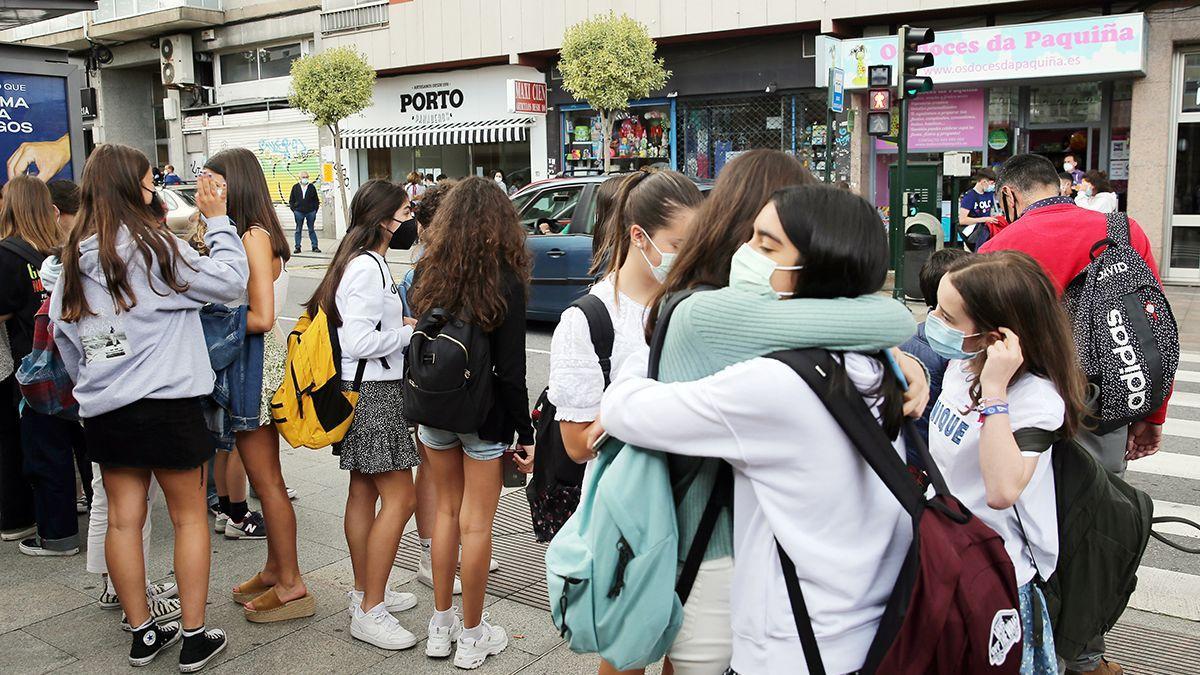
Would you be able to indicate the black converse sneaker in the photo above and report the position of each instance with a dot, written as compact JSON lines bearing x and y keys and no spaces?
{"x":151,"y":639}
{"x":199,"y":647}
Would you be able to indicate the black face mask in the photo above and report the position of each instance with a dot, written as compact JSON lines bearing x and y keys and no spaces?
{"x":404,"y":236}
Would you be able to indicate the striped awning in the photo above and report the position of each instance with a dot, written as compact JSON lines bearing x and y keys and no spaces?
{"x":450,"y":133}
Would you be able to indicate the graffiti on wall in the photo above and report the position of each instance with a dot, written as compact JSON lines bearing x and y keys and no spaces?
{"x":282,"y":159}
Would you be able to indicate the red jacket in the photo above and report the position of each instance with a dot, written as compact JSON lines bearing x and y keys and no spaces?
{"x":1060,"y":237}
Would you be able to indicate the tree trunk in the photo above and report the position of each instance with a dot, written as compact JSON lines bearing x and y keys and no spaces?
{"x":605,"y":132}
{"x":341,"y":173}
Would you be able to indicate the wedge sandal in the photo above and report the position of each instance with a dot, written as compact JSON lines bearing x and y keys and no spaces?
{"x":268,"y":608}
{"x":250,"y":589}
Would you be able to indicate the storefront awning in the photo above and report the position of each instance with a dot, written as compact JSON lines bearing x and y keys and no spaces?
{"x":450,"y":133}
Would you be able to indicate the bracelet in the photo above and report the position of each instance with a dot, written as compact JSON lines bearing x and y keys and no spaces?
{"x":985,"y":402}
{"x":997,"y":409}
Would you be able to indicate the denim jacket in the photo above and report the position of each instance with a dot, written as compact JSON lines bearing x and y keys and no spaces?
{"x":237,"y":360}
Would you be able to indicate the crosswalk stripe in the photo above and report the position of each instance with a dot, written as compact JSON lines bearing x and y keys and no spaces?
{"x":1185,"y":398}
{"x":1187,"y":376}
{"x":1190,"y":357}
{"x":1185,"y":428}
{"x":1168,"y":464}
{"x":1188,"y":511}
{"x":1167,"y":592}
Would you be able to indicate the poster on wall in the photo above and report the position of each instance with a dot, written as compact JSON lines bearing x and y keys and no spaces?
{"x":34,"y":127}
{"x":945,"y":120}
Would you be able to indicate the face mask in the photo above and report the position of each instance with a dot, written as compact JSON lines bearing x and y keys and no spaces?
{"x":403,"y":235}
{"x":660,"y":270}
{"x":499,"y":179}
{"x":304,"y":181}
{"x":1068,"y":167}
{"x":1085,"y":191}
{"x":990,"y":188}
{"x":751,"y":271}
{"x":947,"y":341}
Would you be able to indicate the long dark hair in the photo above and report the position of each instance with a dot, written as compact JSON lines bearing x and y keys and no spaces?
{"x":725,"y":221}
{"x":474,"y":245}
{"x":375,"y":203}
{"x":844,"y":251}
{"x":111,"y":197}
{"x":1009,"y":289}
{"x":647,"y":199}
{"x":606,"y":197}
{"x":249,"y":198}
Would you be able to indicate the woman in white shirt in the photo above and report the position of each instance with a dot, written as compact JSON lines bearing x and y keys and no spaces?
{"x":797,"y":478}
{"x":1096,"y":193}
{"x":1012,"y":366}
{"x":360,"y":296}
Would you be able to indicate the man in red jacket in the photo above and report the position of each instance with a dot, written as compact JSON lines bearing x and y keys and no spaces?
{"x":1060,"y":235}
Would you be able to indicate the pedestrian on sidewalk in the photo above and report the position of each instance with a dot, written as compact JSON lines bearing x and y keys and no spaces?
{"x":277,"y":592}
{"x":476,"y":268}
{"x":359,"y":295}
{"x":1060,"y":236}
{"x":30,"y":232}
{"x":1096,"y":193}
{"x":304,"y":203}
{"x":415,"y":186}
{"x":127,"y":330}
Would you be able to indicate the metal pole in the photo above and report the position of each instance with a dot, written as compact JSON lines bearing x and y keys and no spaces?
{"x":828,"y":143}
{"x":899,"y":212}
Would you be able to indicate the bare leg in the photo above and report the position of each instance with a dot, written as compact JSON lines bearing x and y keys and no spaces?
{"x":398,"y":501}
{"x":360,"y":516}
{"x":607,"y":668}
{"x":426,"y":496}
{"x":260,"y":454}
{"x":188,"y":506}
{"x":446,"y":470}
{"x":126,"y":489}
{"x":235,"y":477}
{"x":481,"y":494}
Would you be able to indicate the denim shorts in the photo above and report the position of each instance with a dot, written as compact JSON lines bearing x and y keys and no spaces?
{"x":475,"y":447}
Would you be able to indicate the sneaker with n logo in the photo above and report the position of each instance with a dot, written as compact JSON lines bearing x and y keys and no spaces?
{"x":152,"y":639}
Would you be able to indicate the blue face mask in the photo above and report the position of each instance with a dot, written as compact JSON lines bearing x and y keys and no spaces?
{"x":947,"y":341}
{"x":990,"y":188}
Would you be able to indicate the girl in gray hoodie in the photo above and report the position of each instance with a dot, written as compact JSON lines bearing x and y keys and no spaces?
{"x":127,"y":323}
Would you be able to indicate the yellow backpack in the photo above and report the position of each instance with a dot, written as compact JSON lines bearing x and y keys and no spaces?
{"x":311,"y":409}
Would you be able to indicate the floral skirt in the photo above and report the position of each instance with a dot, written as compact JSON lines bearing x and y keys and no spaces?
{"x":378,"y":439}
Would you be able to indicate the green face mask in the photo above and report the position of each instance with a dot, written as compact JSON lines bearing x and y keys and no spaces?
{"x":751,"y":271}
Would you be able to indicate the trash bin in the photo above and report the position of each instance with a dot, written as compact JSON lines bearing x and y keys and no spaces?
{"x":918,"y":246}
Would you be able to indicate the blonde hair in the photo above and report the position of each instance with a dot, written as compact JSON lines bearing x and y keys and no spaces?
{"x":29,"y":214}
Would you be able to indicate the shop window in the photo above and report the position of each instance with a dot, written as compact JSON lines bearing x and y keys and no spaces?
{"x":1003,"y":110}
{"x":1191,"y":83}
{"x":258,"y":64}
{"x":1187,"y":170}
{"x":556,"y":204}
{"x":379,"y":163}
{"x":639,"y":137}
{"x":1065,"y":103}
{"x":1185,"y":248}
{"x":714,"y":131}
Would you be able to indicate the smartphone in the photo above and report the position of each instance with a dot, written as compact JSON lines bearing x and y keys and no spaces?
{"x":513,"y":478}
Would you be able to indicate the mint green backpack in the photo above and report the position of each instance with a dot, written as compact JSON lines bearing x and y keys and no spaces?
{"x":612,"y":569}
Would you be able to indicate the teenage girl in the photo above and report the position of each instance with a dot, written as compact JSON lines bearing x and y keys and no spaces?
{"x":359,"y":295}
{"x":797,"y":478}
{"x":127,"y":323}
{"x":477,"y":268}
{"x":277,"y":593}
{"x":1012,"y":366}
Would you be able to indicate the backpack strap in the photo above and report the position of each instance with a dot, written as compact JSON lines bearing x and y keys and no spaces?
{"x":601,"y":328}
{"x":808,"y":638}
{"x":21,"y":248}
{"x":659,"y":338}
{"x":1118,"y":228}
{"x":1175,"y":545}
{"x":362,"y":363}
{"x":722,"y":494}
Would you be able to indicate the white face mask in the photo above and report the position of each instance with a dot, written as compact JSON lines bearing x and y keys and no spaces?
{"x":304,"y":181}
{"x":499,"y":179}
{"x":752,"y":271}
{"x":660,"y":270}
{"x":1068,"y":167}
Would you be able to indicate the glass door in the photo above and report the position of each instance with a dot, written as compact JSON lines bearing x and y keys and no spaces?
{"x":1183,"y":233}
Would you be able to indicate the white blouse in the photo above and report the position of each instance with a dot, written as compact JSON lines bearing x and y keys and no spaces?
{"x":366,"y":298}
{"x":576,"y":381}
{"x":1104,"y":202}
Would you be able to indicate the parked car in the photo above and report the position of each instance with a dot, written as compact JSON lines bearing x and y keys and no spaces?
{"x":181,"y":204}
{"x":566,"y":207}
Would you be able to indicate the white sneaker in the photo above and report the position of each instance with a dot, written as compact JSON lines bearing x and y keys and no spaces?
{"x":393,"y":600}
{"x":493,"y":565}
{"x":441,"y":638}
{"x":381,"y":629}
{"x":219,"y":523}
{"x":472,"y":652}
{"x":425,"y":575}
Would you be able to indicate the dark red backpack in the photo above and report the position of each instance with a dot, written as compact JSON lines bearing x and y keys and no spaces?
{"x":954,"y":608}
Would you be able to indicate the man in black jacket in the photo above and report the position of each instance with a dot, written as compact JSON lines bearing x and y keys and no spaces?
{"x":304,"y":202}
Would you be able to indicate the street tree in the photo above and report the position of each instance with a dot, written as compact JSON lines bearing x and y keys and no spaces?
{"x":608,"y":61}
{"x":330,"y":86}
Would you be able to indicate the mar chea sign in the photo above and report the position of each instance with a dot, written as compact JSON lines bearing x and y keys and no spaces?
{"x":526,"y":97}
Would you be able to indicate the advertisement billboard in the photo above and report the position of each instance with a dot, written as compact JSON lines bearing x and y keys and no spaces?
{"x":35,"y":122}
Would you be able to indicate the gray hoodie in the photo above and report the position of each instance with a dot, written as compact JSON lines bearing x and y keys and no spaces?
{"x":156,"y":349}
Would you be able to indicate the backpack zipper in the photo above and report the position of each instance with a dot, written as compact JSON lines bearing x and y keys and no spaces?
{"x":440,"y":336}
{"x":624,"y":555}
{"x":562,"y":603}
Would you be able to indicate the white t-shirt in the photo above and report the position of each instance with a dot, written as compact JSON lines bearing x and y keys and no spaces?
{"x":796,"y":478}
{"x":576,"y":380}
{"x":367,"y":296}
{"x":1033,"y":403}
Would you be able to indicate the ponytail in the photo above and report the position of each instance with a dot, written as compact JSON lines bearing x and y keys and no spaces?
{"x":648,"y":199}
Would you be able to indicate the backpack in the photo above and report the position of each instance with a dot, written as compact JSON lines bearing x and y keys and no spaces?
{"x":1104,"y":525}
{"x":954,"y":608}
{"x":448,"y":374}
{"x":612,"y":571}
{"x":310,"y":409}
{"x":43,"y":378}
{"x":1124,"y":330}
{"x":553,"y":493}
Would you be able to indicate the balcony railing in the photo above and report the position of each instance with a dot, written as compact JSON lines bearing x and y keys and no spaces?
{"x":110,"y":10}
{"x":354,"y":18}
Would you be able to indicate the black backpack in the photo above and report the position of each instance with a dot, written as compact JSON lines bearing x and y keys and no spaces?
{"x":1124,"y":330}
{"x":448,"y":374}
{"x":553,"y":492}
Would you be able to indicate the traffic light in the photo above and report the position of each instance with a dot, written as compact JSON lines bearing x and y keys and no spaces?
{"x":911,"y":60}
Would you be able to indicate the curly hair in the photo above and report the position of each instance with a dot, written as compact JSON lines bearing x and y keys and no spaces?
{"x":474,"y":248}
{"x":433,"y":197}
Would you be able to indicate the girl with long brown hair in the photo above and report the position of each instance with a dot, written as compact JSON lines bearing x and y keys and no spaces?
{"x":361,"y":298}
{"x":1012,"y":367}
{"x":476,"y":268}
{"x":127,"y":323}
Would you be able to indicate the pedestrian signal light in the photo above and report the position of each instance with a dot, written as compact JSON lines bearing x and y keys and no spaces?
{"x":879,"y":76}
{"x":879,"y":123}
{"x":879,"y":100}
{"x":912,"y":60}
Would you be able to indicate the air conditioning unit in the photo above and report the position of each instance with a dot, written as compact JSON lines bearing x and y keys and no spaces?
{"x":175,"y":60}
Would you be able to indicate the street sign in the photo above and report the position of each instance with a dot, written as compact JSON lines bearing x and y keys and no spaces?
{"x":837,"y":90}
{"x":879,"y":100}
{"x":879,"y":123}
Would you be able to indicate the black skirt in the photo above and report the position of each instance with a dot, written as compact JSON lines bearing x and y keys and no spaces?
{"x":151,"y":434}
